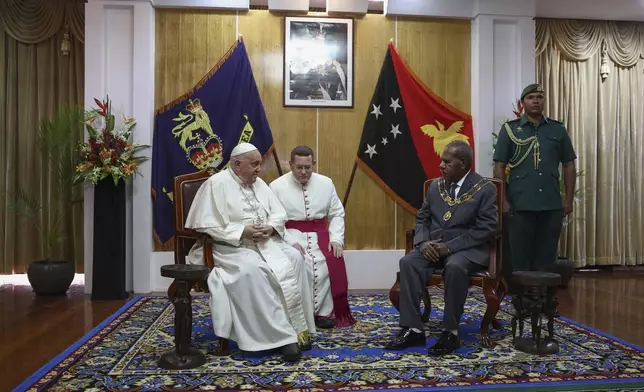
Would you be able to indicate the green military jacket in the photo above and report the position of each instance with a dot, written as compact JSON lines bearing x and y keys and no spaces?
{"x":534,"y":152}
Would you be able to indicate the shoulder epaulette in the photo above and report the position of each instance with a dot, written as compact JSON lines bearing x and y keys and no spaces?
{"x":555,"y":121}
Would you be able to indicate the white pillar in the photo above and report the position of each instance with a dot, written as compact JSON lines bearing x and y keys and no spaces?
{"x":503,"y":62}
{"x":119,"y":62}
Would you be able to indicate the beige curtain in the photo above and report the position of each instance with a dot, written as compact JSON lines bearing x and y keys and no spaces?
{"x":36,"y":79}
{"x":593,"y":74}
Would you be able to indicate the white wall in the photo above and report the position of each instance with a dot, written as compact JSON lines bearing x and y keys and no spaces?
{"x":119,"y":61}
{"x":503,"y":63}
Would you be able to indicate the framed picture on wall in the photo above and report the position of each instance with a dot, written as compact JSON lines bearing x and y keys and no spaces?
{"x":318,"y":62}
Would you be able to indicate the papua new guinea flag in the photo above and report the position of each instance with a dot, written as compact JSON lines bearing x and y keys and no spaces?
{"x":200,"y":129}
{"x":405,"y":132}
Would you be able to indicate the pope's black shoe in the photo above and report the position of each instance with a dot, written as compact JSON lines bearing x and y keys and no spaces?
{"x":291,"y":352}
{"x":447,"y":343}
{"x":406,"y":338}
{"x":307,"y":346}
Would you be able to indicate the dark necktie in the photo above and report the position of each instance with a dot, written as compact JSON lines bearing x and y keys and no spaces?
{"x":452,"y":190}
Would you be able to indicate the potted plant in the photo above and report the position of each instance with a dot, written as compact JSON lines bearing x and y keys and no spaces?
{"x":55,"y":140}
{"x":564,"y":266}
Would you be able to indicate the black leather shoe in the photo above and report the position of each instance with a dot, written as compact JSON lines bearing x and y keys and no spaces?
{"x":406,"y":338}
{"x":324,"y":322}
{"x":306,"y":346}
{"x":447,"y":343}
{"x":291,"y":352}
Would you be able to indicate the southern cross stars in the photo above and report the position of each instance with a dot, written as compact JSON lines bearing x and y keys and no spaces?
{"x":376,"y":111}
{"x":394,"y":104}
{"x":394,"y":130}
{"x":371,"y":150}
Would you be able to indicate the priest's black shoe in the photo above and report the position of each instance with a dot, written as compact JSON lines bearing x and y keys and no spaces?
{"x":406,"y":338}
{"x":447,"y":343}
{"x":324,"y":322}
{"x":291,"y":352}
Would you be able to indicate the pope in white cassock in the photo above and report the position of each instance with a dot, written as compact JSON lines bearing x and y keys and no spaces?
{"x":261,"y":294}
{"x":315,"y":226}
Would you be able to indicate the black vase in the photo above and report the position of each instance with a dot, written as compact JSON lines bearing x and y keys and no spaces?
{"x":108,"y":275}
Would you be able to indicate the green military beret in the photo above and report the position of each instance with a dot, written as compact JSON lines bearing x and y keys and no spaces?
{"x":533,"y":88}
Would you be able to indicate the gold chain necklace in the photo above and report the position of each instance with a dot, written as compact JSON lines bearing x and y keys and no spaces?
{"x":451,"y":202}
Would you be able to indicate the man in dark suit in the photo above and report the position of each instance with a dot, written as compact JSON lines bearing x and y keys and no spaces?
{"x":452,"y":232}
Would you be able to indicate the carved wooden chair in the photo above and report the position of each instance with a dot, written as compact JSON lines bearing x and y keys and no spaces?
{"x":185,"y":190}
{"x":491,"y":281}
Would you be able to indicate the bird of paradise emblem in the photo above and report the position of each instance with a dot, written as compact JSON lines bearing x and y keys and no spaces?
{"x":441,"y":137}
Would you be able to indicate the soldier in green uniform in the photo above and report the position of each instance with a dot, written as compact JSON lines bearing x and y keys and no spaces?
{"x":533,"y":146}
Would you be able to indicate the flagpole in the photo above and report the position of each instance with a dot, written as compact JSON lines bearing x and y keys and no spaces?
{"x":277,"y":162}
{"x":346,"y":194}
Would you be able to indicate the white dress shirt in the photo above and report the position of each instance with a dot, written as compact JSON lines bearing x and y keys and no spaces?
{"x":459,"y":184}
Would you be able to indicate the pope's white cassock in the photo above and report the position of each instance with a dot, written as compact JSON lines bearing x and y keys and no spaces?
{"x":317,"y":201}
{"x":260,"y":292}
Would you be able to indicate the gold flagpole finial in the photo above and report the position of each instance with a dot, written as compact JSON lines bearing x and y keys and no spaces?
{"x":239,"y":37}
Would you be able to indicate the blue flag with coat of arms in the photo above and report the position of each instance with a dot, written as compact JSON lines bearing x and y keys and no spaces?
{"x":199,"y":130}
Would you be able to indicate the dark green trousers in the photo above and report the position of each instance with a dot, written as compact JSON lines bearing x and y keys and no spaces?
{"x":534,"y":239}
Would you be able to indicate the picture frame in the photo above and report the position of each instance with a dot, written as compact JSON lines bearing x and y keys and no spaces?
{"x":318,"y":62}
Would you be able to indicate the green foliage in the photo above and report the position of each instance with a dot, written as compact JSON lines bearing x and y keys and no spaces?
{"x":55,"y":139}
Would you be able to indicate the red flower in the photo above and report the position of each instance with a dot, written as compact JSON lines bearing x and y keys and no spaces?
{"x":102,"y":106}
{"x":519,"y":110}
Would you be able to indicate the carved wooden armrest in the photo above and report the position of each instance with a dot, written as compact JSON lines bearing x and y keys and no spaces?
{"x":207,"y":249}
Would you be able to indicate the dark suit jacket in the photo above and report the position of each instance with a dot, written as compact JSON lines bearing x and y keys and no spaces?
{"x":472,"y":225}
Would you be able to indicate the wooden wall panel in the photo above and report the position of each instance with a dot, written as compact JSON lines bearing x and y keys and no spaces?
{"x":263,"y":34}
{"x":370,"y":211}
{"x":188,"y":45}
{"x":190,"y":42}
{"x":439,"y":53}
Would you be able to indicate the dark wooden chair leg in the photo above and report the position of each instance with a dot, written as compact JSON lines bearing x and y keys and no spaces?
{"x":493,"y":304}
{"x":394,"y":293}
{"x":501,"y":290}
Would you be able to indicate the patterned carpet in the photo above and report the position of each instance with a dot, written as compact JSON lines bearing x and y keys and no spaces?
{"x":122,"y":353}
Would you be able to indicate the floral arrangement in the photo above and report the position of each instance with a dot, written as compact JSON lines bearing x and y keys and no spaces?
{"x":108,"y":151}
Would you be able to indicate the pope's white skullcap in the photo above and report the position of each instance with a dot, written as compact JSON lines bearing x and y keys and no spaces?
{"x":242,"y":148}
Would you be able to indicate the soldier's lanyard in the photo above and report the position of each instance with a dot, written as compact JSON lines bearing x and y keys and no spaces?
{"x":532,"y":144}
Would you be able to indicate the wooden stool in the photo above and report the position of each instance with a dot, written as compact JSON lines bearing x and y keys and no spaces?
{"x":530,"y":302}
{"x":183,"y":356}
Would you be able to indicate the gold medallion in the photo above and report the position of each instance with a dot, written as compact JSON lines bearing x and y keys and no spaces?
{"x":447,"y":216}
